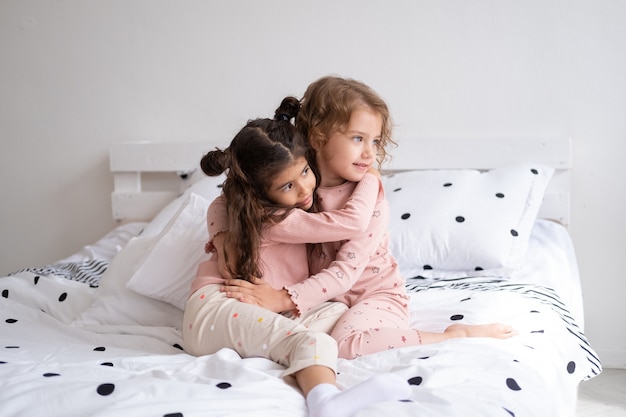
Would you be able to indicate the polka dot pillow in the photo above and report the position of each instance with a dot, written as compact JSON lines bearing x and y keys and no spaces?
{"x":463,"y":223}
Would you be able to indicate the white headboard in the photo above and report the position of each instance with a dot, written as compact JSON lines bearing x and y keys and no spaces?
{"x":147,"y":175}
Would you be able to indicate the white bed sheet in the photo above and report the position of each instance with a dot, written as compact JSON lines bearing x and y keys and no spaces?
{"x":551,"y":262}
{"x":52,"y":367}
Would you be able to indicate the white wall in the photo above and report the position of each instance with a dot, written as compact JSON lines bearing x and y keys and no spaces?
{"x":76,"y":76}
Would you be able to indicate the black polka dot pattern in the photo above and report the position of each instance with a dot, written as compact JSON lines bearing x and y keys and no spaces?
{"x":571,"y":367}
{"x":106,"y":389}
{"x":477,"y":212}
{"x":512,"y":384}
{"x":107,"y":375}
{"x":416,"y":380}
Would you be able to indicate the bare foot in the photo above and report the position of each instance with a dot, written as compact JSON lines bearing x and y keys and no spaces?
{"x":495,"y":330}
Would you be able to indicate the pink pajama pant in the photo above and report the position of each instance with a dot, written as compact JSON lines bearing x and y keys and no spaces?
{"x":212,"y":322}
{"x":373,"y":324}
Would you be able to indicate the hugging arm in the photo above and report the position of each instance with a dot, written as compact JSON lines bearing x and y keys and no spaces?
{"x":334,"y":225}
{"x":301,"y":227}
{"x":349,"y":265}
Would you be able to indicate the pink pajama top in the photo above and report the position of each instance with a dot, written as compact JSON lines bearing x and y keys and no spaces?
{"x":283,"y":248}
{"x":352,"y":269}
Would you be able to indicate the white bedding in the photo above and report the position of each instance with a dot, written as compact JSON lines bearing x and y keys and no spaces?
{"x":52,"y":365}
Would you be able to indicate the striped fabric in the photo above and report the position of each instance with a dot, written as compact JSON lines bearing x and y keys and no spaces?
{"x":88,"y":272}
{"x":543,"y":295}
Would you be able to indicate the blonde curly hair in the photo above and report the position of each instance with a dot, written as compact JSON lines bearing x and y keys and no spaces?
{"x":328,"y":104}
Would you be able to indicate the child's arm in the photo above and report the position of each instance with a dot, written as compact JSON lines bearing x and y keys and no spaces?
{"x":352,"y":262}
{"x":304,"y":227}
{"x":328,"y":229}
{"x":333,"y":225}
{"x":217,"y":217}
{"x":213,"y":270}
{"x":217,"y":224}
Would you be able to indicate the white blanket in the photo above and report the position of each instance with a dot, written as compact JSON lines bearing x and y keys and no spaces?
{"x":52,"y":367}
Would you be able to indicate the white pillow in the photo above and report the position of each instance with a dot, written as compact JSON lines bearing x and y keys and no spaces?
{"x":207,"y":187}
{"x":114,"y":304}
{"x":167,"y":271}
{"x":463,"y":223}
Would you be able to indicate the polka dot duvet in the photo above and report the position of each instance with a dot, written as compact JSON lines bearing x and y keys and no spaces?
{"x":75,"y":348}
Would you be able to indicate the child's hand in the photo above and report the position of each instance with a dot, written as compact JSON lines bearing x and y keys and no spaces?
{"x":258,"y":292}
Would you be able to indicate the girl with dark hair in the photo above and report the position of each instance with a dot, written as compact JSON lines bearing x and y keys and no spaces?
{"x":269,"y":182}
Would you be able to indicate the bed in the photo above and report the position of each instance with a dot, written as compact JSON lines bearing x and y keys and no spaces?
{"x":479,"y":229}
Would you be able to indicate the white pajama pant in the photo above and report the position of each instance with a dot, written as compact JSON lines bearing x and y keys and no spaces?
{"x":212,"y":322}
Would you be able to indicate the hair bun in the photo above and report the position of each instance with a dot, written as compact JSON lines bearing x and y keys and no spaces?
{"x":288,"y":109}
{"x":215,"y":162}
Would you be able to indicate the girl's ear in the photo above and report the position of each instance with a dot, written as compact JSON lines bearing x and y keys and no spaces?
{"x":317,"y":141}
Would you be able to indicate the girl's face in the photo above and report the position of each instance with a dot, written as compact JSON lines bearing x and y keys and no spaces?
{"x":294,"y":186}
{"x":347,"y":155}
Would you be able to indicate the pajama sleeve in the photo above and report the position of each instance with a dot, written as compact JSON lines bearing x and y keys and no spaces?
{"x":351,"y":262}
{"x":333,"y":225}
{"x":208,"y":271}
{"x":304,"y":227}
{"x":299,"y":227}
{"x":216,"y":217}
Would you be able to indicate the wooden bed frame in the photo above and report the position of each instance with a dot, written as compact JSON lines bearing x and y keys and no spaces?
{"x":148,"y":175}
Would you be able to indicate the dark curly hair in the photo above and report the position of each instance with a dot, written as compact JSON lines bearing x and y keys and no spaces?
{"x":261,"y":150}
